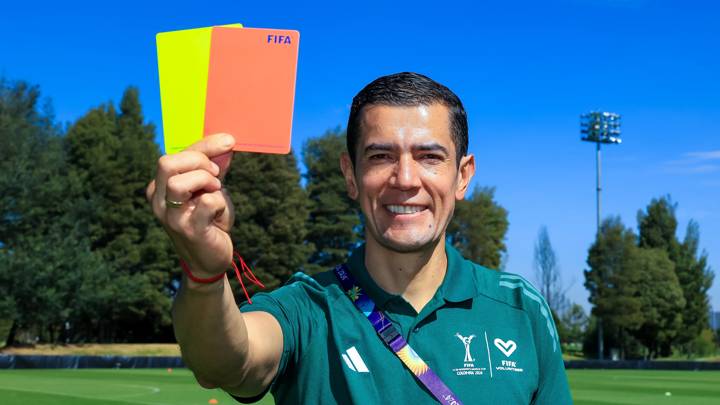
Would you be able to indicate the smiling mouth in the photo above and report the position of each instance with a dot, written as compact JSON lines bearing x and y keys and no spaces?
{"x":405,"y":209}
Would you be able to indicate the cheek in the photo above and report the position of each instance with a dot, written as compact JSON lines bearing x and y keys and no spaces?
{"x":441,"y":184}
{"x":372,"y":182}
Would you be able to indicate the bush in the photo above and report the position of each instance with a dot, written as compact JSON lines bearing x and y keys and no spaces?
{"x":5,"y":325}
{"x":704,"y":344}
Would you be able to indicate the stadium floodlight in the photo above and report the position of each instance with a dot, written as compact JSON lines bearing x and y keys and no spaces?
{"x":600,"y":127}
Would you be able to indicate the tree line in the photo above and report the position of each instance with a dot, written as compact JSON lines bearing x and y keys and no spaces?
{"x":82,"y":259}
{"x":648,"y":289}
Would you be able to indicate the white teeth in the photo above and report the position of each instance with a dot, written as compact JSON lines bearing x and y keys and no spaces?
{"x":404,"y":209}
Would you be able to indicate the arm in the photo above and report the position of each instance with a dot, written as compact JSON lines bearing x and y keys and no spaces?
{"x":553,"y":384}
{"x":224,"y":348}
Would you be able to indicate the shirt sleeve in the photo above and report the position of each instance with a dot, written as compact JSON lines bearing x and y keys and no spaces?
{"x":552,"y":385}
{"x":266,"y":302}
{"x":293,"y":306}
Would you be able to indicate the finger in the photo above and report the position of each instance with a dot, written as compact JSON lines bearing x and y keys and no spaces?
{"x":211,"y":209}
{"x":171,"y":165}
{"x":213,"y":145}
{"x":227,"y":224}
{"x":181,"y":187}
{"x":150,"y":191}
{"x":223,"y":161}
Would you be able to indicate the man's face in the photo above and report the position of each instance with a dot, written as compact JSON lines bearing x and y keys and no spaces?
{"x":406,"y":177}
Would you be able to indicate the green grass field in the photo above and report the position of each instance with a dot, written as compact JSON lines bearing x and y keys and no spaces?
{"x":158,"y":387}
{"x":644,"y":387}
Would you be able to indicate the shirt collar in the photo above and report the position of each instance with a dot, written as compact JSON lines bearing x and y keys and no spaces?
{"x":458,"y":285}
{"x":356,"y":263}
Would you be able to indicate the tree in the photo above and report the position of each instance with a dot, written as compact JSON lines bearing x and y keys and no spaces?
{"x":114,"y":155}
{"x":29,"y":151}
{"x":575,"y":322}
{"x":478,"y":228}
{"x":658,"y":227}
{"x":271,"y":209}
{"x":44,"y":255}
{"x":547,"y":271}
{"x":334,"y":219}
{"x":661,"y":300}
{"x":612,"y":282}
{"x":634,"y":289}
{"x":27,"y":135}
{"x":695,"y":279}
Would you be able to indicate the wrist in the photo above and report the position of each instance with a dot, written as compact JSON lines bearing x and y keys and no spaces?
{"x":200,"y":277}
{"x":210,"y":282}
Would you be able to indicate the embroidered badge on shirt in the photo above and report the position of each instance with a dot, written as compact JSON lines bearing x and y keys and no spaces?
{"x":468,"y":364}
{"x":507,"y":347}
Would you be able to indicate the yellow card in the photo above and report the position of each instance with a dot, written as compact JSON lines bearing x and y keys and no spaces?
{"x":183,"y":61}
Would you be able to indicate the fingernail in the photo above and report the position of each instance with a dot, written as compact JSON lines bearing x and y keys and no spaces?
{"x":215,"y":167}
{"x":228,"y":141}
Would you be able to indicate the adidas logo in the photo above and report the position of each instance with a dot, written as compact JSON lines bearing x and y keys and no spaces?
{"x":354,"y":361}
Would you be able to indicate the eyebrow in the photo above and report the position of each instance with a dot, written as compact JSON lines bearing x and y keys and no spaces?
{"x":373,"y":147}
{"x":423,"y":147}
{"x":432,"y":146}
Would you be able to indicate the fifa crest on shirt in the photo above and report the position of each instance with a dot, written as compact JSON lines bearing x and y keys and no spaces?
{"x":466,"y":341}
{"x":468,"y":364}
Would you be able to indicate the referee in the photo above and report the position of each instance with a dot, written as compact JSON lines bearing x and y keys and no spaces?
{"x":406,"y":320}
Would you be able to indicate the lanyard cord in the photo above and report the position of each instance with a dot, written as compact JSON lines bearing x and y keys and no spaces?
{"x":394,"y":340}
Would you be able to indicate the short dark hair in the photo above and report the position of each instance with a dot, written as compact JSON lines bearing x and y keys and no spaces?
{"x":408,"y":89}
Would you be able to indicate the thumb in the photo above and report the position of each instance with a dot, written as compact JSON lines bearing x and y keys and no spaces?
{"x":223,"y":161}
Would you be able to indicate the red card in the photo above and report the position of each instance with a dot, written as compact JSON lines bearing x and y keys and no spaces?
{"x":251,"y":87}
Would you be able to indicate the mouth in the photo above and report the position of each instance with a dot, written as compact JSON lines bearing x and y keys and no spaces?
{"x":398,"y":209}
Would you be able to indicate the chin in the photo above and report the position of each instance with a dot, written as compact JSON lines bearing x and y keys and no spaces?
{"x":407,"y":245}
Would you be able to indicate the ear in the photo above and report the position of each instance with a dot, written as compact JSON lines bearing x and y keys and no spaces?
{"x":466,"y":171}
{"x":348,"y":170}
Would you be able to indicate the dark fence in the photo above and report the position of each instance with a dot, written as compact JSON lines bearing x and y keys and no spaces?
{"x":643,"y":365}
{"x":12,"y":361}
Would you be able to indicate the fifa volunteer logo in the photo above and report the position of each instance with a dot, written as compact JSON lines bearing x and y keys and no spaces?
{"x":278,"y":39}
{"x":507,"y":347}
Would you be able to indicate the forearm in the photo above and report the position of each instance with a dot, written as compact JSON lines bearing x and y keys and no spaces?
{"x":211,"y":332}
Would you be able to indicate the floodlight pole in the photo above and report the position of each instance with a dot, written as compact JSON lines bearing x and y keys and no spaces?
{"x":599,"y":188}
{"x":600,"y":127}
{"x":597,"y":237}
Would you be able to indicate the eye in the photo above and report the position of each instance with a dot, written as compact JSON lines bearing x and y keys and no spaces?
{"x":379,"y":156}
{"x":433,"y":157}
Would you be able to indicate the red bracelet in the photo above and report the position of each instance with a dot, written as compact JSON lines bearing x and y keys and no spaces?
{"x":196,"y":279}
{"x":246,"y":271}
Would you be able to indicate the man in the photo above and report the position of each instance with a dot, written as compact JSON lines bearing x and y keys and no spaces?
{"x":488,"y":336}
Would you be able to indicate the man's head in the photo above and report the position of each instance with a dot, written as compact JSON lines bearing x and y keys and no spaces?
{"x":407,"y":162}
{"x":408,"y":89}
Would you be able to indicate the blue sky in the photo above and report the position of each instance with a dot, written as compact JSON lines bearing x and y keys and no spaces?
{"x":524,"y":70}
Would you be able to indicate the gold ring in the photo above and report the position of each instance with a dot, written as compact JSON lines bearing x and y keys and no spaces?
{"x":174,"y":204}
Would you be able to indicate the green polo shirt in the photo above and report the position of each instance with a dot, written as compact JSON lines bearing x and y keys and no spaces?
{"x":488,"y":335}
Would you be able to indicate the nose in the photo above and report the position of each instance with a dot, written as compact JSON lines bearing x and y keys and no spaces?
{"x":406,"y":175}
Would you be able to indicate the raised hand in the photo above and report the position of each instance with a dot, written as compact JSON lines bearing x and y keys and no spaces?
{"x":196,"y":212}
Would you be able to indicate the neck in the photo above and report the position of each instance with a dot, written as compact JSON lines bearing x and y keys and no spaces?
{"x":414,"y":275}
